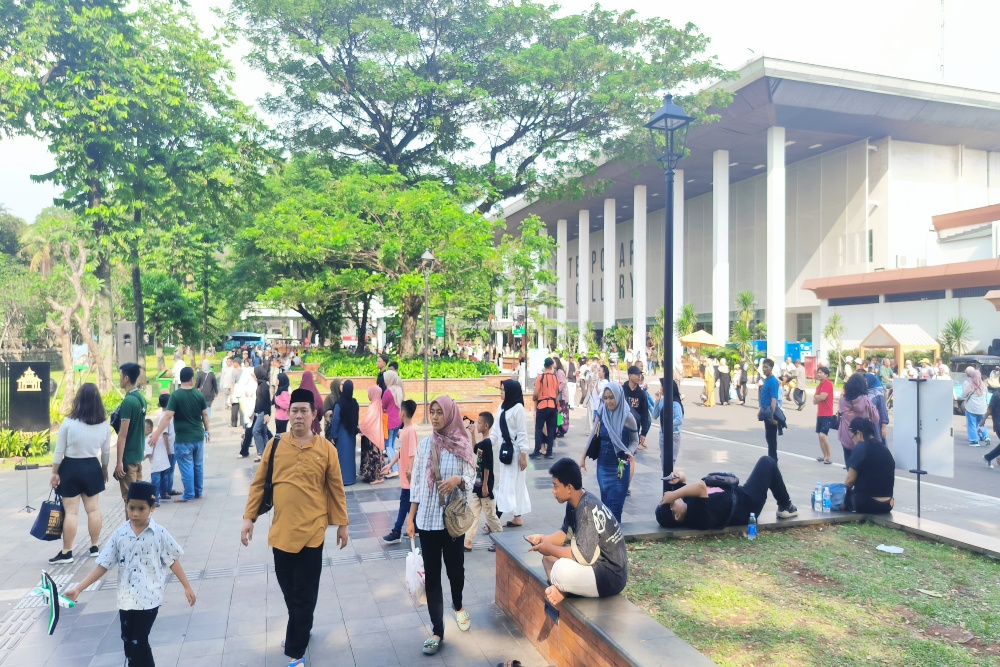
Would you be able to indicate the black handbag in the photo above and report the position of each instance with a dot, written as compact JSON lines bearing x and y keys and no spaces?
{"x":267,"y":502}
{"x":594,"y":446}
{"x":506,"y":453}
{"x":48,"y":524}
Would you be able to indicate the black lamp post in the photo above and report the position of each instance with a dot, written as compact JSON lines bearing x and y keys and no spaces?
{"x":426,"y":262}
{"x":671,"y":122}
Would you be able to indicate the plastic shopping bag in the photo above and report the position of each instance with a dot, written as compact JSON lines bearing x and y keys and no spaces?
{"x":415,"y":575}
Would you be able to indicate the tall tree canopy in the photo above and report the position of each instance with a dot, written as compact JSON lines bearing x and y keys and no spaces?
{"x":502,"y":93}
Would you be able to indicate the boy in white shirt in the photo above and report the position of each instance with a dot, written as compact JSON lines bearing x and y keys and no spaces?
{"x":158,"y":455}
{"x":169,"y":437}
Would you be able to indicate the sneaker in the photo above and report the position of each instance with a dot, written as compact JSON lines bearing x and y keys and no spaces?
{"x":297,"y":663}
{"x":94,"y":552}
{"x":989,"y":463}
{"x":176,"y":493}
{"x":973,"y":444}
{"x":534,"y":456}
{"x":787,"y":512}
{"x":984,"y":443}
{"x":391,"y":538}
{"x":62,"y":558}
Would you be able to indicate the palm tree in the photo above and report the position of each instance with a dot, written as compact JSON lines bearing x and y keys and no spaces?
{"x":834,"y":332}
{"x":955,"y":337}
{"x":746,"y":307}
{"x":742,"y":332}
{"x":687,"y":320}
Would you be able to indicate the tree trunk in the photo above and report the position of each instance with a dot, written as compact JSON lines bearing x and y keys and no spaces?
{"x":105,"y":303}
{"x":363,"y":325}
{"x":161,"y":364}
{"x":408,"y":327}
{"x":313,"y":323}
{"x":137,"y":305}
{"x":69,"y":377}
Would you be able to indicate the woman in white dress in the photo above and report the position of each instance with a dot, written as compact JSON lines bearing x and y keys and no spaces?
{"x":511,"y":489}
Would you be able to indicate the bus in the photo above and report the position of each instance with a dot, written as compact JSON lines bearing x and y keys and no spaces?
{"x":237,"y":339}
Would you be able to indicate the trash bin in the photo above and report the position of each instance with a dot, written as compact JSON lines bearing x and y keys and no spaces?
{"x":166,"y":380}
{"x":810,"y":364}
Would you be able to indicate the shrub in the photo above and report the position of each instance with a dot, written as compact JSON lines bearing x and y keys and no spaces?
{"x":22,"y":443}
{"x":336,"y":364}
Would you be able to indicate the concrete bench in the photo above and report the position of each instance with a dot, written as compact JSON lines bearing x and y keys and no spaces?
{"x":638,"y":531}
{"x":597,"y":632}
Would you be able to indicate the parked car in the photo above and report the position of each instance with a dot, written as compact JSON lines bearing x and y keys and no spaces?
{"x":988,"y":365}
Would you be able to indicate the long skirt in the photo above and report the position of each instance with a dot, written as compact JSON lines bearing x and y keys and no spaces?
{"x":564,"y":411}
{"x":724,"y":387}
{"x":371,"y":461}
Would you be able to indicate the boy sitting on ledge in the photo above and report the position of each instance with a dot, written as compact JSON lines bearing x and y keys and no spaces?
{"x":587,"y":557}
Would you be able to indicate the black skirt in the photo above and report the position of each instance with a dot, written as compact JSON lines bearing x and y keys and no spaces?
{"x":78,"y":476}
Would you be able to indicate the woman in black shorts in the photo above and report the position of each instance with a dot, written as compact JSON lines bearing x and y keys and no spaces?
{"x":76,"y":470}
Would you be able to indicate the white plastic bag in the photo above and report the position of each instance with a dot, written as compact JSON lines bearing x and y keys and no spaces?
{"x":415,"y":575}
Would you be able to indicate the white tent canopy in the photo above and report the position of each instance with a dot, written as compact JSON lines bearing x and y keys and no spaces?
{"x":901,"y":338}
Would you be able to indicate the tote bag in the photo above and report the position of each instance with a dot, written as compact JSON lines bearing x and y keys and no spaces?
{"x":49,"y":521}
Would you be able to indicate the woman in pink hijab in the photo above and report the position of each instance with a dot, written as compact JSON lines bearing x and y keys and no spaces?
{"x":372,"y":441}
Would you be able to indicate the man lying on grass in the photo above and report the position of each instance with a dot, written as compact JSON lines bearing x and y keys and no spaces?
{"x":705,"y":507}
{"x":587,"y":557}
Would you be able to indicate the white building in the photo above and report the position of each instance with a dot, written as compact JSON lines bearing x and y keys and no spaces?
{"x":820,"y":190}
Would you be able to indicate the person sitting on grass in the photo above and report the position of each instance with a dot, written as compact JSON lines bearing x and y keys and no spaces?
{"x":870,"y":471}
{"x":587,"y":556}
{"x":702,"y":507}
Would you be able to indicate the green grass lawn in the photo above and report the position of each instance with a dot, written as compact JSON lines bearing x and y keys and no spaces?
{"x":42,"y":460}
{"x":822,"y":596}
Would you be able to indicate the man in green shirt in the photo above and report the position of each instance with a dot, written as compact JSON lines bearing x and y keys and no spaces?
{"x":131,"y":447}
{"x":189,"y":410}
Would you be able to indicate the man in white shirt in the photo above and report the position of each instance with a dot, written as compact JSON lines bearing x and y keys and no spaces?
{"x":178,"y":367}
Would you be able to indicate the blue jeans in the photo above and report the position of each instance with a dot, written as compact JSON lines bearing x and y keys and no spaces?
{"x":259,"y":433}
{"x":613,"y":489}
{"x":390,"y":447}
{"x":404,"y":509}
{"x":156,"y":479}
{"x":975,"y":431}
{"x":168,"y":475}
{"x":189,"y":460}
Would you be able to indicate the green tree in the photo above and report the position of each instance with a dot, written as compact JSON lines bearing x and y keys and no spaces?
{"x":687,"y":320}
{"x":414,"y":87}
{"x":742,"y":331}
{"x":171,"y":308}
{"x":956,"y":336}
{"x":527,"y":262}
{"x":834,"y":332}
{"x":11,"y":228}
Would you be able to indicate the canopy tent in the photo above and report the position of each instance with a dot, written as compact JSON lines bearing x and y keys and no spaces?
{"x":993,"y":296}
{"x":700,"y":338}
{"x":901,"y":338}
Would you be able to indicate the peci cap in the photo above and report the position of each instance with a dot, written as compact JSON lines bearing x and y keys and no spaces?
{"x":142,"y":491}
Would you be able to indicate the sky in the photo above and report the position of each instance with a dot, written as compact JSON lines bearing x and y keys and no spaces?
{"x":947,"y":41}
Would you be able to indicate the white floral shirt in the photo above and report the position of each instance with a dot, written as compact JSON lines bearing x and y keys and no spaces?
{"x":143,"y":563}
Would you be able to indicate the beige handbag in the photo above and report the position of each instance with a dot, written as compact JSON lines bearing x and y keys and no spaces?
{"x":458,"y":514}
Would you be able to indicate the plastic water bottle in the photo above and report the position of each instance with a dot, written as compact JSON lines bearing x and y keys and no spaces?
{"x":752,"y":527}
{"x":826,"y":500}
{"x":818,"y":497}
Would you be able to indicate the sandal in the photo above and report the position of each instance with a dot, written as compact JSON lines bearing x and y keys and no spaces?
{"x":492,"y":548}
{"x":467,"y":549}
{"x":820,"y":459}
{"x":432,"y":646}
{"x":827,"y":461}
{"x":463,"y":620}
{"x":486,"y":529}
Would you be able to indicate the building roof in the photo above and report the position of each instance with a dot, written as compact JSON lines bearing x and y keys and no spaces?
{"x":978,"y":273}
{"x":967,"y":218}
{"x":900,"y":335}
{"x":821,"y":108}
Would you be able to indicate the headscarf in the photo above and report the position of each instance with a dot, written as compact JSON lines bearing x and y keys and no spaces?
{"x":394,"y":386}
{"x":206,"y":366}
{"x":309,"y":383}
{"x":854,"y":387}
{"x":335,"y":389}
{"x":260,"y":373}
{"x":282,"y":384}
{"x":974,"y":381}
{"x":614,"y":420}
{"x":452,"y":437}
{"x":371,"y":423}
{"x":874,"y":385}
{"x":348,"y":407}
{"x":512,"y":394}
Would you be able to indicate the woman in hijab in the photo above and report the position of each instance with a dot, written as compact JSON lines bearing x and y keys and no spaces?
{"x":330,"y":402}
{"x":854,"y":402}
{"x":511,"y":489}
{"x":619,"y":436}
{"x":678,"y":418}
{"x":975,"y":398}
{"x":282,"y":399}
{"x":876,"y":394}
{"x":245,"y":393}
{"x":207,"y":384}
{"x":724,"y":381}
{"x":455,"y":468}
{"x":261,"y":411}
{"x":372,"y":442}
{"x":392,"y":399}
{"x":309,"y":383}
{"x":344,"y":429}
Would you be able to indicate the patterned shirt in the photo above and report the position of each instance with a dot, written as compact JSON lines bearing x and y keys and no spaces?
{"x":143,"y":561}
{"x":430,"y":511}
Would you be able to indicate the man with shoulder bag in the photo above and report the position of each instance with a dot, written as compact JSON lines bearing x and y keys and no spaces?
{"x":546,"y":396}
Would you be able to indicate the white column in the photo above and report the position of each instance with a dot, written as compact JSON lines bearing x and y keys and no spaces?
{"x":610,"y":265}
{"x":775,"y":315}
{"x":678,"y":258}
{"x":291,"y":328}
{"x":639,"y":240}
{"x":720,"y":244}
{"x":542,"y":312}
{"x":562,"y":269}
{"x":583,"y":310}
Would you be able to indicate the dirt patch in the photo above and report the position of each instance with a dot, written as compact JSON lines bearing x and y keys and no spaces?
{"x":803,"y":574}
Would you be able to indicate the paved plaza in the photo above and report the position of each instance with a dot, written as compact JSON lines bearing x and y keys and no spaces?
{"x":364,"y":616}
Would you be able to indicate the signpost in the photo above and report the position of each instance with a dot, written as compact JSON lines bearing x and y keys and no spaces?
{"x":439,"y":327}
{"x":27,"y":408}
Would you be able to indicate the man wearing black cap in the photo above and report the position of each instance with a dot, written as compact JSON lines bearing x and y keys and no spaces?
{"x":636,"y":398}
{"x":546,"y":395}
{"x":308,"y":495}
{"x":189,"y":411}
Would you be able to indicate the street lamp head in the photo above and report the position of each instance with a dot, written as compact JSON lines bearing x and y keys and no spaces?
{"x":427,"y":259}
{"x":672,"y":123}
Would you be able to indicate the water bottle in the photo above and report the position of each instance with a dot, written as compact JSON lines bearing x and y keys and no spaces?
{"x":752,"y":527}
{"x":818,"y":497}
{"x":826,"y":500}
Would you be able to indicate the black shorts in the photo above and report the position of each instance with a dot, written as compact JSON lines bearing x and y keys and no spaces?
{"x":78,"y":476}
{"x":824,"y":424}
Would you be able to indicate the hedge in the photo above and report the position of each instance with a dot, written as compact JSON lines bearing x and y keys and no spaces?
{"x":338,"y":364}
{"x":21,"y":443}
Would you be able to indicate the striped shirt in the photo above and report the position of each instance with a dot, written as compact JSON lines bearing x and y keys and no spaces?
{"x":430,"y":511}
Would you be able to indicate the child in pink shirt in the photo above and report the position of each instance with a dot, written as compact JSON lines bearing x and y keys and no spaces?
{"x":405,"y":453}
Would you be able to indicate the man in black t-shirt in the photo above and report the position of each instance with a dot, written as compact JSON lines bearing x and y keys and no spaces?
{"x":587,"y":556}
{"x":702,"y":507}
{"x":637,"y":400}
